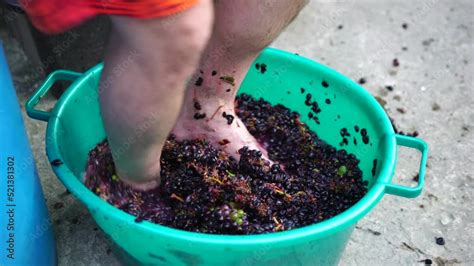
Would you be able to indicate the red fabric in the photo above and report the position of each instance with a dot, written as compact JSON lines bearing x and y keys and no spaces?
{"x":54,"y":16}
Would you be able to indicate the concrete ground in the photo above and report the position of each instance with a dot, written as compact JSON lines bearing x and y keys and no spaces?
{"x":433,"y":94}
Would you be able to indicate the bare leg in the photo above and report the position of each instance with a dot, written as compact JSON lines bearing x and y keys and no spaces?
{"x":147,"y":65}
{"x":242,"y":29}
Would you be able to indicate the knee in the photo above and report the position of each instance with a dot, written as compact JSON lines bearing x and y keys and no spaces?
{"x":255,"y":27}
{"x":183,"y":47}
{"x":184,"y":36}
{"x":176,"y":38}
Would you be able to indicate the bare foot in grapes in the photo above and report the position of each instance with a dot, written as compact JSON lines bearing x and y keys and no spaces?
{"x":208,"y":109}
{"x":217,"y":123}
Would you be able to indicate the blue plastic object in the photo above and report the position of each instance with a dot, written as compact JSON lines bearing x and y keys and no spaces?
{"x":26,"y":236}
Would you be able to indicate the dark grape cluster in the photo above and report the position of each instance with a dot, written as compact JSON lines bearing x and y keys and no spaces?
{"x":228,"y":219}
{"x":205,"y":190}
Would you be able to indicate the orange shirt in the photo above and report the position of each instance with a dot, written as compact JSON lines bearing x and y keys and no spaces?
{"x":55,"y":16}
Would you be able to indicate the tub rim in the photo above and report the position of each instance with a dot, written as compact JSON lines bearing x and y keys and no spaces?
{"x":339,"y":222}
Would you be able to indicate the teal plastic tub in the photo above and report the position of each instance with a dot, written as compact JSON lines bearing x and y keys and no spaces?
{"x":75,"y":127}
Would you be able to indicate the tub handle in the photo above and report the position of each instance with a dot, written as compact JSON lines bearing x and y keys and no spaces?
{"x":43,"y":89}
{"x":404,"y":191}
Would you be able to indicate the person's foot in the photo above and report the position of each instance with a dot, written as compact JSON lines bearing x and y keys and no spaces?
{"x":216,"y":123}
{"x":208,"y":109}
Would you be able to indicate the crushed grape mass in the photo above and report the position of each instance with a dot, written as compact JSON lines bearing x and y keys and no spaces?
{"x":205,"y":190}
